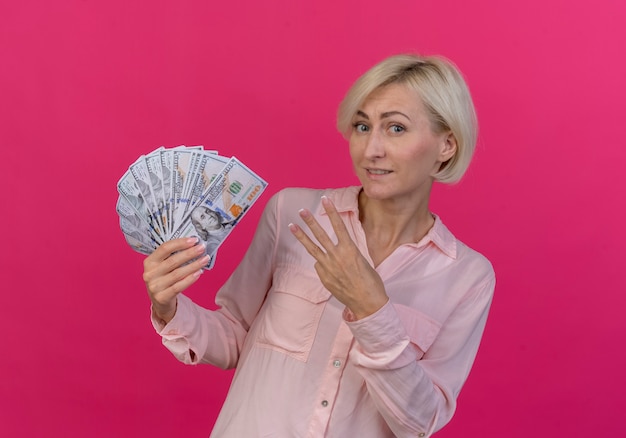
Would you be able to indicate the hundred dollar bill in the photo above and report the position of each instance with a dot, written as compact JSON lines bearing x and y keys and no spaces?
{"x":221,"y":206}
{"x":184,"y":191}
{"x":135,"y":238}
{"x":155,"y":173}
{"x":208,"y":168}
{"x":174,"y":179}
{"x":176,"y":176}
{"x":139,"y":170}
{"x":133,"y":199}
{"x":136,"y":228}
{"x":188,"y":164}
{"x":194,"y":162}
{"x":181,"y":165}
{"x":166,"y":177}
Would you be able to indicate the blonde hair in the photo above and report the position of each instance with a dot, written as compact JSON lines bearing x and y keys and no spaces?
{"x":444,"y":93}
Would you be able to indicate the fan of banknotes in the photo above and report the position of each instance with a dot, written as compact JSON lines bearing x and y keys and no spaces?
{"x":184,"y":192}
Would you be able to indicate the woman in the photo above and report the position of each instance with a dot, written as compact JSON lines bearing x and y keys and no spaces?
{"x":355,"y":312}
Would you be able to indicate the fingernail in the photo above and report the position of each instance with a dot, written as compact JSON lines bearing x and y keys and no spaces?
{"x":304,"y":213}
{"x":292,"y":227}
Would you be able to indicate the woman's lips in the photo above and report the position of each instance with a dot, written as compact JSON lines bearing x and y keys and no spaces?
{"x":378,"y":171}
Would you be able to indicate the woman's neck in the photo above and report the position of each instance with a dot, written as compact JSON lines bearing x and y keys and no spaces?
{"x":390,"y":223}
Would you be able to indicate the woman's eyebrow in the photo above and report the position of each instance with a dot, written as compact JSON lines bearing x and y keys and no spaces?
{"x":384,"y":115}
{"x":394,"y":113}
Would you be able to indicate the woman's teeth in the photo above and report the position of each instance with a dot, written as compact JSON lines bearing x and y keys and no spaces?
{"x":378,"y":172}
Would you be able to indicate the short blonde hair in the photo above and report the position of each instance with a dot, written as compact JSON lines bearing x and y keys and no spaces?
{"x":444,"y":93}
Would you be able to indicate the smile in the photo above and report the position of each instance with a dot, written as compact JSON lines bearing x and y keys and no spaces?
{"x":378,"y":171}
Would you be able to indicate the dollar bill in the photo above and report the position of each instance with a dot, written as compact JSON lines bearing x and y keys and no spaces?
{"x":143,"y":180}
{"x":184,"y":192}
{"x":133,"y":199}
{"x":181,"y":165}
{"x":176,"y":165}
{"x":155,"y":173}
{"x":222,"y":205}
{"x":135,"y":238}
{"x":137,"y":231}
{"x":166,"y":177}
{"x":208,"y":168}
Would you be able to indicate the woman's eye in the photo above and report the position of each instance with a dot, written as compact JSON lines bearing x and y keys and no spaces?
{"x":397,"y":129}
{"x":360,"y":127}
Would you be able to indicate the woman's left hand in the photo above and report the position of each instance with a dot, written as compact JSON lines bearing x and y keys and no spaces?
{"x":341,"y":267}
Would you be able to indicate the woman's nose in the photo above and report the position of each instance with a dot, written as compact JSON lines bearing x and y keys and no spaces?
{"x":375,"y":146}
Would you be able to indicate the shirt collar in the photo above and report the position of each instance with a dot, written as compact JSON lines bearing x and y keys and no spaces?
{"x":346,"y":199}
{"x":441,"y":237}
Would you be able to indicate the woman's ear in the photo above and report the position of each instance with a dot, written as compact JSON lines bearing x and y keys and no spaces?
{"x":448,"y":147}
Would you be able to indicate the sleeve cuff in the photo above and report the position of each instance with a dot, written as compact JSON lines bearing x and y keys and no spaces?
{"x":382,"y":340}
{"x":174,"y":334}
{"x":172,"y":328}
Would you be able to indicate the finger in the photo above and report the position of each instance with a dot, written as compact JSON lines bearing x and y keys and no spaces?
{"x":166,"y":299}
{"x":335,"y":220}
{"x":164,"y":287}
{"x":166,"y":249}
{"x":181,"y":278}
{"x":317,"y":230}
{"x":184,"y":283}
{"x":185,"y":256}
{"x":155,"y":267}
{"x":167,"y":260}
{"x":306,"y":241}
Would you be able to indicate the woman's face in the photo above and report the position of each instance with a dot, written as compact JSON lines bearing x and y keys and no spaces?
{"x":394,"y":151}
{"x":207,"y":219}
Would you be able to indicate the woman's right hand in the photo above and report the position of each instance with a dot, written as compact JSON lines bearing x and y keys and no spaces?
{"x":167,"y":272}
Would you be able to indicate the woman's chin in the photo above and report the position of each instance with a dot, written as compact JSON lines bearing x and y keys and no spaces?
{"x":377,"y":193}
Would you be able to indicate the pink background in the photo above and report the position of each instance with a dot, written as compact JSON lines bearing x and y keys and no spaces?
{"x":86,"y":87}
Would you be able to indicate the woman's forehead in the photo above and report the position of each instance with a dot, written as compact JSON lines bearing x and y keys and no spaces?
{"x":390,"y":98}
